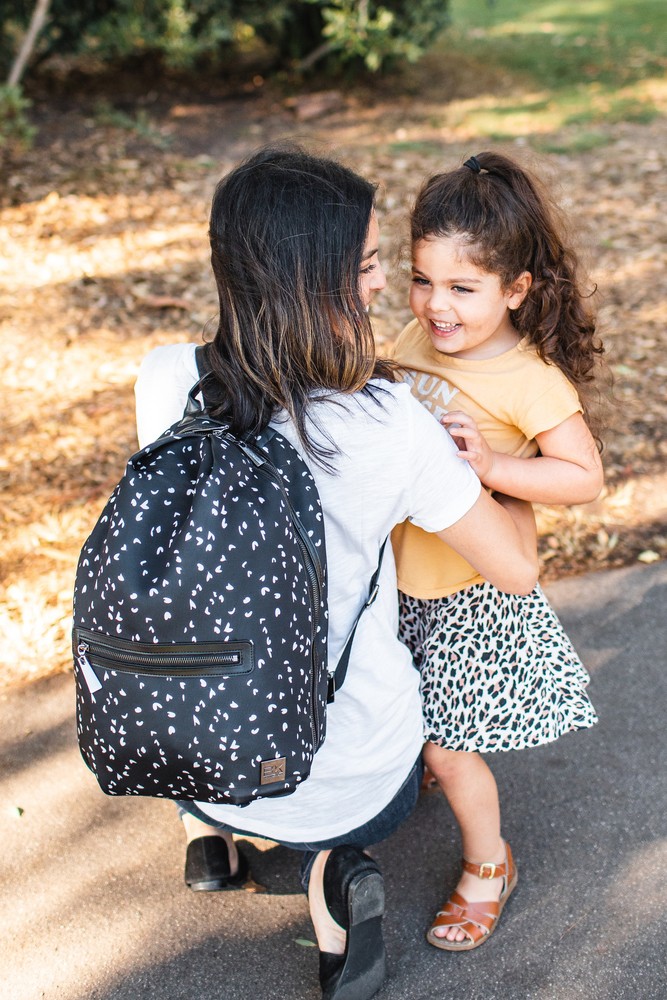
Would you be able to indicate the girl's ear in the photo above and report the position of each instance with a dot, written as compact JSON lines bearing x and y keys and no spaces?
{"x":519,"y":289}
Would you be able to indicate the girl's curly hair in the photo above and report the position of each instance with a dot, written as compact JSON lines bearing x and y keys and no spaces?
{"x":510,"y":225}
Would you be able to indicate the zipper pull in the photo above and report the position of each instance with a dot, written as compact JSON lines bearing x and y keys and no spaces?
{"x":91,"y":678}
{"x":254,"y":456}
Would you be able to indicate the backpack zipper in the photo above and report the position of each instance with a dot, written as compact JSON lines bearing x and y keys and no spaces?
{"x":126,"y":656}
{"x":313,"y":569}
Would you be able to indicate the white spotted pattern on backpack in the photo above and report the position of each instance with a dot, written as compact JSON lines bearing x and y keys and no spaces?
{"x":195,"y":547}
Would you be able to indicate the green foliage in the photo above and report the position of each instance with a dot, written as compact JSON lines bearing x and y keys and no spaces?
{"x":139,"y":123}
{"x":15,"y":129}
{"x":185,"y":34}
{"x":375,"y":32}
{"x":180,"y":31}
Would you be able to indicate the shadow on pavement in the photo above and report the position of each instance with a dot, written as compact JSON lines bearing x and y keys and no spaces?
{"x":93,"y":904}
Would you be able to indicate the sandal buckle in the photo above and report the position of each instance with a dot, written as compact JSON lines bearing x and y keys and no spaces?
{"x":491,"y":873}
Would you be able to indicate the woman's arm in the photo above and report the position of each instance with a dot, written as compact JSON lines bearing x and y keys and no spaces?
{"x":498,"y":537}
{"x":567,"y":471}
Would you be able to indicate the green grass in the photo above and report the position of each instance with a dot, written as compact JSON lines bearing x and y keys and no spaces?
{"x":561,"y":44}
{"x":581,"y":63}
{"x":581,"y":142}
{"x":416,"y":146}
{"x":139,"y":123}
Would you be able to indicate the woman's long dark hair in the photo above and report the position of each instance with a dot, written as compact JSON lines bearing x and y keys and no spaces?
{"x":509,"y":225}
{"x":287,"y":234}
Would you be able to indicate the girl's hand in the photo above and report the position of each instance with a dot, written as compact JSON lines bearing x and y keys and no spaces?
{"x":567,"y":469}
{"x":470,"y":441}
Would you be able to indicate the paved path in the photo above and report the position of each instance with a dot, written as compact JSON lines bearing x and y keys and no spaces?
{"x":93,"y":906}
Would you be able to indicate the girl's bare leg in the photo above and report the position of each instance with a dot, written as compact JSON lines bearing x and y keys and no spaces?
{"x":472,"y":793}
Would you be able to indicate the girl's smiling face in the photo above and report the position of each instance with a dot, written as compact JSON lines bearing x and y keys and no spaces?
{"x":464,"y":310}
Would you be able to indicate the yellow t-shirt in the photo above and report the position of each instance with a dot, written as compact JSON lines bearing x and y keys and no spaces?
{"x":511,"y":397}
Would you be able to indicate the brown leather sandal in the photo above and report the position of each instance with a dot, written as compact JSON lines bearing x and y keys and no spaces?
{"x":477,"y":920}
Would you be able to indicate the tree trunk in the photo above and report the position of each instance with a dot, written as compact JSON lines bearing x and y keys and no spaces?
{"x":37,"y":22}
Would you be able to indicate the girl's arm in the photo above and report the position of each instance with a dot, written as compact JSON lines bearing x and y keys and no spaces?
{"x":568,"y":469}
{"x":498,"y":537}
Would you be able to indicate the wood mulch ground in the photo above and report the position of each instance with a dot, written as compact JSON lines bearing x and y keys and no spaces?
{"x":103,"y":256}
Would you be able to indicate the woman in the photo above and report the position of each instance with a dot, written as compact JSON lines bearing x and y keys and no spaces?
{"x":294,"y":250}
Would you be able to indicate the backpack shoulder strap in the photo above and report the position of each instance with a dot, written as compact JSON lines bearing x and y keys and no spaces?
{"x":203,"y":366}
{"x":338,"y":676}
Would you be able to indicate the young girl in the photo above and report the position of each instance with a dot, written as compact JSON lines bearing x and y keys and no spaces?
{"x":501,"y":351}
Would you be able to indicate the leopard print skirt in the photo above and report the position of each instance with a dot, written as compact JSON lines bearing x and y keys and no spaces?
{"x":497,"y":671}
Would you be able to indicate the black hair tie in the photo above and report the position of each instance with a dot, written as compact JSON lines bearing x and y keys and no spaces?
{"x":473,"y":164}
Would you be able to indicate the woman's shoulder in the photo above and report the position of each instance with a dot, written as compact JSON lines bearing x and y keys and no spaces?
{"x":165,"y":377}
{"x":169,"y":358}
{"x":384,"y":415}
{"x":394,"y":396}
{"x":403,"y":418}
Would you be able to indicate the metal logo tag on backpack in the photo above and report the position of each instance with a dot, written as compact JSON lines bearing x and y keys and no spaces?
{"x":272,"y":770}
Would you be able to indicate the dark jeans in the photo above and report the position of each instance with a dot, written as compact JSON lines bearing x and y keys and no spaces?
{"x":372,"y":832}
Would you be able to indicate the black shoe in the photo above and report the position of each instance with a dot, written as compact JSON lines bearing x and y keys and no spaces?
{"x":207,"y":866}
{"x":354,"y":894}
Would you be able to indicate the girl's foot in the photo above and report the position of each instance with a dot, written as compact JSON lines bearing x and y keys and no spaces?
{"x":476,"y":889}
{"x":471,"y":914}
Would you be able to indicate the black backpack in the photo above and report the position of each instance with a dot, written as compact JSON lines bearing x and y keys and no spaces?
{"x":200,"y":620}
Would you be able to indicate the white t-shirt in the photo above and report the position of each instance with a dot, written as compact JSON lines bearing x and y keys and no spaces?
{"x":395,"y":462}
